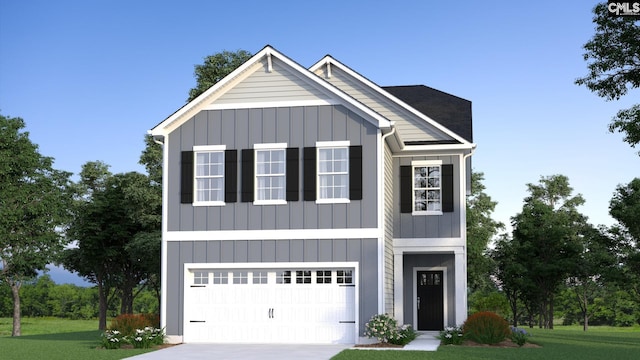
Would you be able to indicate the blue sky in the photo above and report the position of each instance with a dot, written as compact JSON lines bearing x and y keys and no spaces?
{"x":91,"y":77}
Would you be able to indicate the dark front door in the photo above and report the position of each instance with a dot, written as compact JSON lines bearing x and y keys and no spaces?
{"x":430,"y":300}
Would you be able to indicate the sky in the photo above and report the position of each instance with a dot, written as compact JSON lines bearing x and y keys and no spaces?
{"x":91,"y":77}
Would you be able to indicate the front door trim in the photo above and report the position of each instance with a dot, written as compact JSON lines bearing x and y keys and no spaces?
{"x":414,"y":291}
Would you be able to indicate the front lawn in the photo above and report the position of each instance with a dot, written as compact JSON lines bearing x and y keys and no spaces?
{"x":565,"y":343}
{"x":57,"y":339}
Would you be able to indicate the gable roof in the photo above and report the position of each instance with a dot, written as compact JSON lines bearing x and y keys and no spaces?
{"x":366,"y":91}
{"x":250,"y":66}
{"x":451,"y":111}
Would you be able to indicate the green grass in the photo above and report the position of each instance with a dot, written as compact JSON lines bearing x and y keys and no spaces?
{"x":564,"y":343}
{"x":57,"y":339}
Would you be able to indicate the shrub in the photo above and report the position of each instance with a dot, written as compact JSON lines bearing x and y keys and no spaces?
{"x":486,"y":328}
{"x":147,"y":337}
{"x":385,"y":328}
{"x":127,"y":324}
{"x":519,"y":335}
{"x":112,"y":339}
{"x":451,"y":336}
{"x":407,"y":335}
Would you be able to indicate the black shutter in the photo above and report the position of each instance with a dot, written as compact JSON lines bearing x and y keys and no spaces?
{"x":355,"y":172}
{"x":406,"y":189}
{"x":231,"y":176}
{"x":247,"y":175}
{"x":309,"y":173}
{"x":292,"y":174}
{"x":447,"y":187}
{"x":186,"y":177}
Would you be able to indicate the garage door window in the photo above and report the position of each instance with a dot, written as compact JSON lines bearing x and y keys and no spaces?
{"x":284,"y":277}
{"x":240,"y":277}
{"x":260,"y":277}
{"x":323,"y":277}
{"x":201,"y":278}
{"x":303,"y":277}
{"x":220,"y":277}
{"x":344,"y":276}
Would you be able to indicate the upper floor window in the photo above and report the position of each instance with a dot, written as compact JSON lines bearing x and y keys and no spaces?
{"x":333,"y":172}
{"x":270,"y":172}
{"x":426,"y":188}
{"x":209,"y":182}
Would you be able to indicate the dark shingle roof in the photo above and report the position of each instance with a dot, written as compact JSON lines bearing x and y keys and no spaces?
{"x":452,"y":112}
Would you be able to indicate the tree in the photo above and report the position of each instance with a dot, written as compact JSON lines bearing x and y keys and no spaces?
{"x":546,"y":234}
{"x":112,"y":227}
{"x":34,"y":203}
{"x":625,"y":208}
{"x":613,"y":56}
{"x":586,"y":281}
{"x":481,"y":228}
{"x":215,"y":68}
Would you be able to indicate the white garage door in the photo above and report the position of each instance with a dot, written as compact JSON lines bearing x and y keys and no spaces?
{"x":291,"y":305}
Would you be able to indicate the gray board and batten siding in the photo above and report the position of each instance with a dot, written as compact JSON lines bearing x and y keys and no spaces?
{"x":363,"y":251}
{"x":298,"y":127}
{"x":446,"y":225}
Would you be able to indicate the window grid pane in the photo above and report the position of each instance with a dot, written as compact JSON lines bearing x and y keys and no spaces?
{"x":210,"y":176}
{"x":260,"y":277}
{"x":303,"y":277}
{"x":201,"y":278}
{"x":426,"y":188}
{"x":333,"y":173}
{"x":240,"y":277}
{"x":220,"y":277}
{"x":344,"y":277}
{"x":270,"y":173}
{"x":283,"y":277}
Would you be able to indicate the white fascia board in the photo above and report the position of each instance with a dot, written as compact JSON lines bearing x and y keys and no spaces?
{"x":234,"y":77}
{"x":437,"y":147}
{"x":330,"y":60}
{"x":350,"y":233}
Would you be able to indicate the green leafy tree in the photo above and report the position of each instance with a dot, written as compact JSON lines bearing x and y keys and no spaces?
{"x":90,"y":258}
{"x":111,"y":227}
{"x":215,"y":68}
{"x":546,"y":235}
{"x":510,"y":274}
{"x":35,"y":296}
{"x":625,"y":208}
{"x":34,"y":206}
{"x":613,"y":56}
{"x":481,"y":228}
{"x":586,"y":281}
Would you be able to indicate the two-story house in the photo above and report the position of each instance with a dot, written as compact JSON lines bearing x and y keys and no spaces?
{"x":298,"y":203}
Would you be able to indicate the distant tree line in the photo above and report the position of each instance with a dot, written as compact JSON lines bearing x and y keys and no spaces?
{"x":42,"y":297}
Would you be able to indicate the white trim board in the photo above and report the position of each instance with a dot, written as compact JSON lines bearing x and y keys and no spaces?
{"x":350,"y":233}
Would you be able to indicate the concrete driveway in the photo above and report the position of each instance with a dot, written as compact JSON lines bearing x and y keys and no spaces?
{"x":243,"y":351}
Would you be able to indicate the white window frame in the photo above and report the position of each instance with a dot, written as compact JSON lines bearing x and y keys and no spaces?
{"x":269,"y":147}
{"x":419,"y":164}
{"x":323,"y":145}
{"x":207,"y":149}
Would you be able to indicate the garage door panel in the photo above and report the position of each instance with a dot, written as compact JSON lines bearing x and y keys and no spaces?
{"x":273,"y":311}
